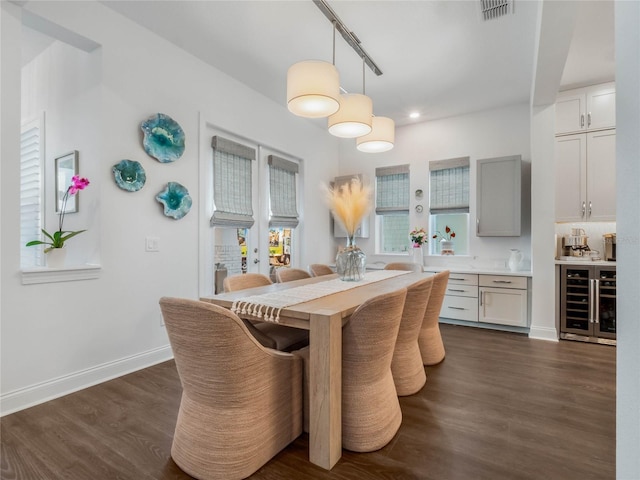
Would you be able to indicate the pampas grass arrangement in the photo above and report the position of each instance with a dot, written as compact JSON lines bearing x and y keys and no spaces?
{"x":349,"y":203}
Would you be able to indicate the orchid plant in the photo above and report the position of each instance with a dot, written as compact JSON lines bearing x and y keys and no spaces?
{"x":418,"y":237}
{"x":448,"y":234}
{"x":60,"y":236}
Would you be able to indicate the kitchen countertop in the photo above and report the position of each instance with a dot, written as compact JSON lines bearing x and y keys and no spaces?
{"x":479,"y":271}
{"x":599,"y":263}
{"x":462,"y":269}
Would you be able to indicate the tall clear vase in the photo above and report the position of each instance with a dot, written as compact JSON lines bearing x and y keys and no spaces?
{"x":416,"y":255}
{"x":351,"y":262}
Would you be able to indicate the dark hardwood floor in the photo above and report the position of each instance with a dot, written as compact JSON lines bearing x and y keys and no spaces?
{"x":500,"y":407}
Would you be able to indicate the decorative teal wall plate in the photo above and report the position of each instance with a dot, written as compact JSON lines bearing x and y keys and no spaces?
{"x":129,"y":175}
{"x":176,"y":200}
{"x":163,"y":138}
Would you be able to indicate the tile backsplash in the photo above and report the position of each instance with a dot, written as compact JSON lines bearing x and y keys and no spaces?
{"x":593,"y":230}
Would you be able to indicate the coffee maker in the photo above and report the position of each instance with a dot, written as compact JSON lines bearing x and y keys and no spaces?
{"x":575,"y":244}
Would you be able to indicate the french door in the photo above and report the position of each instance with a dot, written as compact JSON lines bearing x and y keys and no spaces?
{"x":263,"y":247}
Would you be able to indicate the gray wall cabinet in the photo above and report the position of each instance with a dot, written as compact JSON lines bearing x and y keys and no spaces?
{"x":498,"y":207}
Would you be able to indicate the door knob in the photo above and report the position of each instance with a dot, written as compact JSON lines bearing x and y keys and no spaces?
{"x":255,"y":260}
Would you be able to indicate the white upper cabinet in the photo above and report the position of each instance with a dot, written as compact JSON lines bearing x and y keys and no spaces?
{"x":586,"y":177}
{"x":585,"y":109}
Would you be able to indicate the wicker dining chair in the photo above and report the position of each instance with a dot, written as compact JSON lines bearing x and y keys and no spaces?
{"x":319,"y":269}
{"x":288,"y":274}
{"x":430,"y":339}
{"x":241,"y":403}
{"x":407,"y":266}
{"x":371,"y":413}
{"x":406,"y":366}
{"x":270,"y":335}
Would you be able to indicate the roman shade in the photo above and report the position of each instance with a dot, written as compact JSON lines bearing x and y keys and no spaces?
{"x":392,"y":189}
{"x":232,"y":198}
{"x":282,"y":192}
{"x":449,"y":186}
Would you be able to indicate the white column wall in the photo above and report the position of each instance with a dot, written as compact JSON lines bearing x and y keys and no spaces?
{"x":627,"y":19}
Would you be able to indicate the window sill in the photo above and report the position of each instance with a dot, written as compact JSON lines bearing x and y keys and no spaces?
{"x":31,"y":276}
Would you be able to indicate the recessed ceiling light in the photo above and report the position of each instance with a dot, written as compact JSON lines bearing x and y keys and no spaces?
{"x":414,"y":115}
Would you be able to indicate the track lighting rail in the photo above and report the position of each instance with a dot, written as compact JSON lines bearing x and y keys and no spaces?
{"x":347,"y":34}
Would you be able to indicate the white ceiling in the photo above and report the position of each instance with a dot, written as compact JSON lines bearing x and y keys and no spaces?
{"x":438,"y":57}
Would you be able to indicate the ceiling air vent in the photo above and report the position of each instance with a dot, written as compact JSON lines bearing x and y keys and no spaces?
{"x":495,"y":8}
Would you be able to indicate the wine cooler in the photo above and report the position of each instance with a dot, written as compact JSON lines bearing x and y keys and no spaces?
{"x":588,"y":303}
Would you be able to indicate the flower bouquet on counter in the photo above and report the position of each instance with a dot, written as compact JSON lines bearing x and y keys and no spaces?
{"x":446,"y":240}
{"x":418,"y":237}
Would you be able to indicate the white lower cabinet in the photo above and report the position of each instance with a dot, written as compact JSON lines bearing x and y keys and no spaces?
{"x":495,"y":299}
{"x":503,"y":300}
{"x":461,"y":299}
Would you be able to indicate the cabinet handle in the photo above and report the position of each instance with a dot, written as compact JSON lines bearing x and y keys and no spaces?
{"x":589,"y":209}
{"x":457,"y":308}
{"x":584,"y":208}
{"x":481,"y":298}
{"x":596,"y":296}
{"x":477,"y":226}
{"x":502,"y":281}
{"x":589,"y":119}
{"x":455,"y":290}
{"x":458,"y":279}
{"x":591,"y":300}
{"x":582,"y":120}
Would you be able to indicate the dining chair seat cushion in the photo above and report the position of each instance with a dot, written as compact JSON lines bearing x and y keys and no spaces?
{"x":285,"y":339}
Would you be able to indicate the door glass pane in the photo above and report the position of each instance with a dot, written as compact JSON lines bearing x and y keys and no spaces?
{"x":279,"y":247}
{"x":242,"y":241}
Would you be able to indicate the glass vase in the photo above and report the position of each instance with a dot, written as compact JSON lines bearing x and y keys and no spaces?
{"x":351,"y":262}
{"x":416,"y":255}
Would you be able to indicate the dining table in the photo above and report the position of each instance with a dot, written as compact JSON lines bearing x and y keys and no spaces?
{"x":323,"y":314}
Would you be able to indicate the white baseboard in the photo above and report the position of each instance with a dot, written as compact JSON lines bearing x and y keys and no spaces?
{"x":543,"y":333}
{"x":43,"y":392}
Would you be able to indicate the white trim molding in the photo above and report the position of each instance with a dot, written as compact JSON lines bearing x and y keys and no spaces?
{"x":543,"y":333}
{"x":31,"y":276}
{"x":43,"y":392}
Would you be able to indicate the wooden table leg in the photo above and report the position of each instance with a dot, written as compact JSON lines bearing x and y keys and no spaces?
{"x":325,"y":388}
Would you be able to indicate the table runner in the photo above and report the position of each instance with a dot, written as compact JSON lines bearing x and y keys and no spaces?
{"x":268,"y":306}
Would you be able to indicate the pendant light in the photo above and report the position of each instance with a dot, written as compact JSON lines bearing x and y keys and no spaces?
{"x":313,"y":87}
{"x":354,"y":117}
{"x":381,"y":138}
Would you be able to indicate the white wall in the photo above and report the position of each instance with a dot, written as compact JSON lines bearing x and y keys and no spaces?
{"x":494,"y":133}
{"x":58,"y":337}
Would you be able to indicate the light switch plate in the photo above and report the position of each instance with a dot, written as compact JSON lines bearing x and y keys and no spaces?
{"x":152,"y":244}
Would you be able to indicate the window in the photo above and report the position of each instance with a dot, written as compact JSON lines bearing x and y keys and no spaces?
{"x":30,"y":192}
{"x":449,"y":202}
{"x":392,"y":208}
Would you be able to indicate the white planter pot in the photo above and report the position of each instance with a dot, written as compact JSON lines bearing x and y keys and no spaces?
{"x":56,"y":257}
{"x":446,"y":247}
